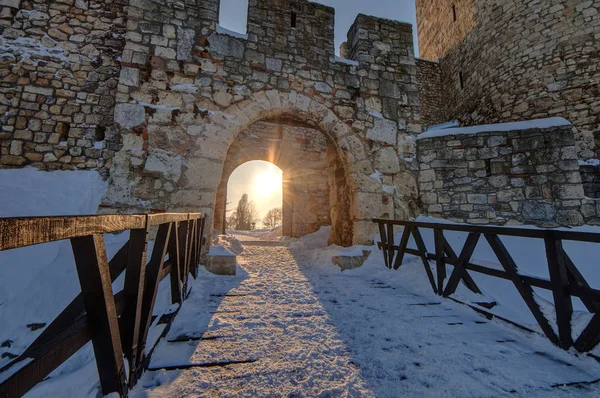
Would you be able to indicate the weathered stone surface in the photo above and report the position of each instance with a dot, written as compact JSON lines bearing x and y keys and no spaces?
{"x":488,"y":178}
{"x":221,"y":262}
{"x":384,"y":130}
{"x":185,"y":43}
{"x":467,"y":83}
{"x":129,"y":115}
{"x":350,"y":262}
{"x":130,"y":77}
{"x":226,"y":45}
{"x":164,"y":162}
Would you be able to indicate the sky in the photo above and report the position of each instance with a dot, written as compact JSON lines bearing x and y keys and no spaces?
{"x":262,"y":180}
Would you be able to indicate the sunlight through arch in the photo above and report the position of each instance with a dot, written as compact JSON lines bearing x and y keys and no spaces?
{"x":262,"y":182}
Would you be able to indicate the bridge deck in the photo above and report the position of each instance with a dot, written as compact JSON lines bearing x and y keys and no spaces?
{"x":291,"y":327}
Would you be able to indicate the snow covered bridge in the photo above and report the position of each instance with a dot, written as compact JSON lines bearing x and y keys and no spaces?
{"x":291,"y":324}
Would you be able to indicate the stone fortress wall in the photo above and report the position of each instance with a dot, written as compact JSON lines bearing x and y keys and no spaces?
{"x":59,"y":69}
{"x":188,"y":89}
{"x":508,"y":60}
{"x":160,"y":97}
{"x":505,"y":174}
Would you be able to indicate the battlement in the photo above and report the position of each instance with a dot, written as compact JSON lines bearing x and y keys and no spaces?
{"x":381,"y":41}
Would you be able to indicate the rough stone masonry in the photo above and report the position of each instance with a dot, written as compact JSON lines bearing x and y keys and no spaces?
{"x":181,"y":90}
{"x":164,"y":102}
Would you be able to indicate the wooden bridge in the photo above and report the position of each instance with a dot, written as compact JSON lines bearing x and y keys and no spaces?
{"x":117,"y":324}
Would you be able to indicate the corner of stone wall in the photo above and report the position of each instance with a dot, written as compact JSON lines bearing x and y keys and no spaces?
{"x":529,"y":176}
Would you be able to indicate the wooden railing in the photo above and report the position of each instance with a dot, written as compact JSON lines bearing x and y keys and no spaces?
{"x":117,"y":324}
{"x":565,"y":279}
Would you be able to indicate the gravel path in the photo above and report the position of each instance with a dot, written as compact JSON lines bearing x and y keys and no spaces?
{"x":288,"y":326}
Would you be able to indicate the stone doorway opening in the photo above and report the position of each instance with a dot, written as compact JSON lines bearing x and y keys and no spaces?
{"x":315,"y":190}
{"x":255,"y":197}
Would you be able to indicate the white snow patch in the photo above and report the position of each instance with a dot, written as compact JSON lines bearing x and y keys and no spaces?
{"x":185,"y":88}
{"x":590,"y":162}
{"x":220,"y":251}
{"x":346,"y":61}
{"x":154,"y":106}
{"x":500,"y":127}
{"x":378,"y":176}
{"x":29,"y":48}
{"x":378,"y":115}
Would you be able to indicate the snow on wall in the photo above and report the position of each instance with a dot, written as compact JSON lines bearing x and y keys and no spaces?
{"x":514,"y":126}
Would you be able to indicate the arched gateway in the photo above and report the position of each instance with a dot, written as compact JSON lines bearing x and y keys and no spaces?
{"x":185,"y":111}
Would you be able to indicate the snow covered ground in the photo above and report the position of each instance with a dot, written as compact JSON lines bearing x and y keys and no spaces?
{"x":38,"y":282}
{"x":291,"y":324}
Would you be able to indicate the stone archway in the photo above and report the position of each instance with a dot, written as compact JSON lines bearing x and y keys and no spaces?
{"x":315,"y":190}
{"x":366,"y":196}
{"x":196,"y":142}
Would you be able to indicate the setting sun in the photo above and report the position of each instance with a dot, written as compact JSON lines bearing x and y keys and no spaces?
{"x":267,"y":183}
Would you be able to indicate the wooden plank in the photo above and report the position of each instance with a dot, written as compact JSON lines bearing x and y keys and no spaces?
{"x":506,"y":231}
{"x":184,"y":255}
{"x":423,"y":254}
{"x":174,"y":256}
{"x":384,"y":244}
{"x":466,"y":278}
{"x":560,"y":281}
{"x":576,"y":280}
{"x":133,"y":293}
{"x":524,"y":289}
{"x":164,"y":218}
{"x":459,"y":270}
{"x":401,"y":249}
{"x":22,"y":232}
{"x":590,"y":337}
{"x":390,"y":248}
{"x":96,"y":286}
{"x":152,"y":279}
{"x":440,"y":263}
{"x":55,"y":350}
{"x":50,"y":348}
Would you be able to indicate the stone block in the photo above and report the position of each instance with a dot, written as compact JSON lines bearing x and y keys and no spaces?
{"x":220,"y":261}
{"x":130,"y":77}
{"x":130,"y":115}
{"x":384,"y":130}
{"x":350,"y":262}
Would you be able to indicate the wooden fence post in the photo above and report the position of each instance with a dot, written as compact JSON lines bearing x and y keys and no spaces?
{"x":134,"y":292}
{"x":96,"y":288}
{"x":559,"y":278}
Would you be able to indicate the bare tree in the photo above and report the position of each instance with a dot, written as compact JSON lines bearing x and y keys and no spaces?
{"x":245,"y":214}
{"x":273,"y":218}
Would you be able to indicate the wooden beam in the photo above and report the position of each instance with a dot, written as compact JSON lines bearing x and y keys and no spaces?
{"x":96,"y":287}
{"x":440,"y":263}
{"x":423,"y":254}
{"x":384,"y":244}
{"x":153,"y":270}
{"x":402,"y":248}
{"x":459,"y":270}
{"x":590,"y":337}
{"x":589,"y":297}
{"x":22,"y":232}
{"x":133,"y":292}
{"x":390,"y":248}
{"x":524,"y":289}
{"x":560,"y":282}
{"x":175,"y":257}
